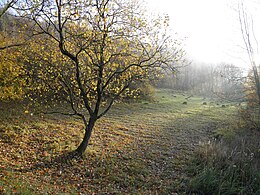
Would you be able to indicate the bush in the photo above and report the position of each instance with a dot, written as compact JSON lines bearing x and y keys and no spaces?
{"x":147,"y":92}
{"x":250,"y":118}
{"x":141,"y":90}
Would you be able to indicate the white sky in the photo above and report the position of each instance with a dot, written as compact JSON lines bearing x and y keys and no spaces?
{"x":211,"y":27}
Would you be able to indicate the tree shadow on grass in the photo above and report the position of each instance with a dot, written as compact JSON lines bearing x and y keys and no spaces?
{"x":61,"y":161}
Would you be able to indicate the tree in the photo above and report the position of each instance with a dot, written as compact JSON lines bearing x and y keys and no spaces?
{"x":6,"y":6}
{"x":107,"y":45}
{"x":251,"y":46}
{"x":11,"y":69}
{"x":5,"y":19}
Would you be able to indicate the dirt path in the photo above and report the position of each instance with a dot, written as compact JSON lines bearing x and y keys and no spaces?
{"x":171,"y":150}
{"x":166,"y":135}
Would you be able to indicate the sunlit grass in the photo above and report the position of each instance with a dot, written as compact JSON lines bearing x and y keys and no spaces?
{"x":137,"y":148}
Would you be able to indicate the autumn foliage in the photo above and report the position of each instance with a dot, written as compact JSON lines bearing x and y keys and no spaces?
{"x":86,"y":55}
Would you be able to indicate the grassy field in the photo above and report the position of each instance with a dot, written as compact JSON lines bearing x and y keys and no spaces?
{"x":137,"y":148}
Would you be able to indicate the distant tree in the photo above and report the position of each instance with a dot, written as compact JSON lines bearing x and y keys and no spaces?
{"x":106,"y":46}
{"x":220,"y":80}
{"x":229,"y":82}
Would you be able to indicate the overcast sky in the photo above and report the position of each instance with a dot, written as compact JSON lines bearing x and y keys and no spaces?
{"x":211,"y":27}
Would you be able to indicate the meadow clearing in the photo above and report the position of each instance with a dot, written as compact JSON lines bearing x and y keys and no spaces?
{"x":137,"y":148}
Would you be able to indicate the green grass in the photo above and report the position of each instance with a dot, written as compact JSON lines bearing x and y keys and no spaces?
{"x":137,"y":148}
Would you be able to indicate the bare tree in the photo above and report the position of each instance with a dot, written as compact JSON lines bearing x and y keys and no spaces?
{"x":251,"y":45}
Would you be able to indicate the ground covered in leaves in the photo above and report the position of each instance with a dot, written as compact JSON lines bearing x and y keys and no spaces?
{"x":138,"y":148}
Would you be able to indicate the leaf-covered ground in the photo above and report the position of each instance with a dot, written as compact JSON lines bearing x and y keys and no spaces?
{"x":138,"y":148}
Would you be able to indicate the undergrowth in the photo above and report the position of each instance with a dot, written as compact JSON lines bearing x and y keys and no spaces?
{"x":229,"y":164}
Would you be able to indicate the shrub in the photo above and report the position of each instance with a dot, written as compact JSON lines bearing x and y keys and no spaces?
{"x":250,"y":118}
{"x":141,"y":90}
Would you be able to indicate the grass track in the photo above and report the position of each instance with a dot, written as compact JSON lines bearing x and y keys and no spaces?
{"x":138,"y":148}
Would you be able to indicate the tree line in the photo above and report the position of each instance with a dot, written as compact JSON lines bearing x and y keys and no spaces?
{"x":221,"y":81}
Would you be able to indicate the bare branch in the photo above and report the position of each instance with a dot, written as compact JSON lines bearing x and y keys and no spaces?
{"x":12,"y":45}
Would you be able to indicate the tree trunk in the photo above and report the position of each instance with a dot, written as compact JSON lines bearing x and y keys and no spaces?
{"x":84,"y":144}
{"x":257,"y":83}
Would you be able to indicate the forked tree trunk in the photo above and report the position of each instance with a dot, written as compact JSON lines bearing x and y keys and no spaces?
{"x":84,"y":144}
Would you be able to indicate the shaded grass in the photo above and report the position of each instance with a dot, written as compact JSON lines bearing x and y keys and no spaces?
{"x":138,"y":148}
